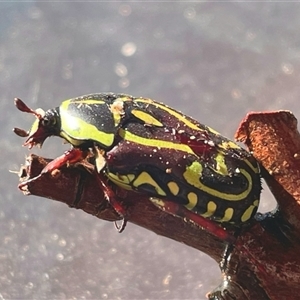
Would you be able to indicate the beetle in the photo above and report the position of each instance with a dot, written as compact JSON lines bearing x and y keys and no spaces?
{"x":185,"y":168}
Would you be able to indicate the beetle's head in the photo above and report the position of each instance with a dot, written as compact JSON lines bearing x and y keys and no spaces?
{"x":46,"y":124}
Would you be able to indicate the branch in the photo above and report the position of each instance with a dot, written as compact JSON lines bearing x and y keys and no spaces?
{"x":275,"y":141}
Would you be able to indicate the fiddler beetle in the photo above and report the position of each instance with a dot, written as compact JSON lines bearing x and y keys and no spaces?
{"x":186,"y":168}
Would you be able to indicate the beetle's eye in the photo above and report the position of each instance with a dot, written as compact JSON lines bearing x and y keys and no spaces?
{"x":48,"y":121}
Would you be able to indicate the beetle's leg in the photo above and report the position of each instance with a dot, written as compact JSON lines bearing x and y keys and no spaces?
{"x":71,"y":156}
{"x":175,"y":209}
{"x":112,"y":199}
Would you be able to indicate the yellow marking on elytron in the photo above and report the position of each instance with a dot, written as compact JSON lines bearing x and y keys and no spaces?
{"x":221,"y":167}
{"x":227,"y":215}
{"x":210,"y":210}
{"x":174,"y":113}
{"x":145,"y":178}
{"x":229,"y":145}
{"x":249,"y":211}
{"x":251,"y":166}
{"x":123,"y":181}
{"x":125,"y":98}
{"x":146,"y":118}
{"x":193,"y":173}
{"x":153,"y":143}
{"x":81,"y":130}
{"x":181,"y":117}
{"x":232,"y":145}
{"x":193,"y":200}
{"x":173,"y":187}
{"x":66,"y":103}
{"x":212,"y":130}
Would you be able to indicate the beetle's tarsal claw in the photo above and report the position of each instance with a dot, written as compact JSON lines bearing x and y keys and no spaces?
{"x":122,"y":226}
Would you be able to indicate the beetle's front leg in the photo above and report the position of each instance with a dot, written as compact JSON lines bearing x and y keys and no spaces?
{"x":71,"y":156}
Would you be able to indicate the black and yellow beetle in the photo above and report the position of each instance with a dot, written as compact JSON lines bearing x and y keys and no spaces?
{"x":185,"y":168}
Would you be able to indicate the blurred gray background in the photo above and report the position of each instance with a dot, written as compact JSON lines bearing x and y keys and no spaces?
{"x":214,"y":61}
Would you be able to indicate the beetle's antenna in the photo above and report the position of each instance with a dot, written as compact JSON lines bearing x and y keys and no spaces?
{"x":23,"y":107}
{"x":20,"y":132}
